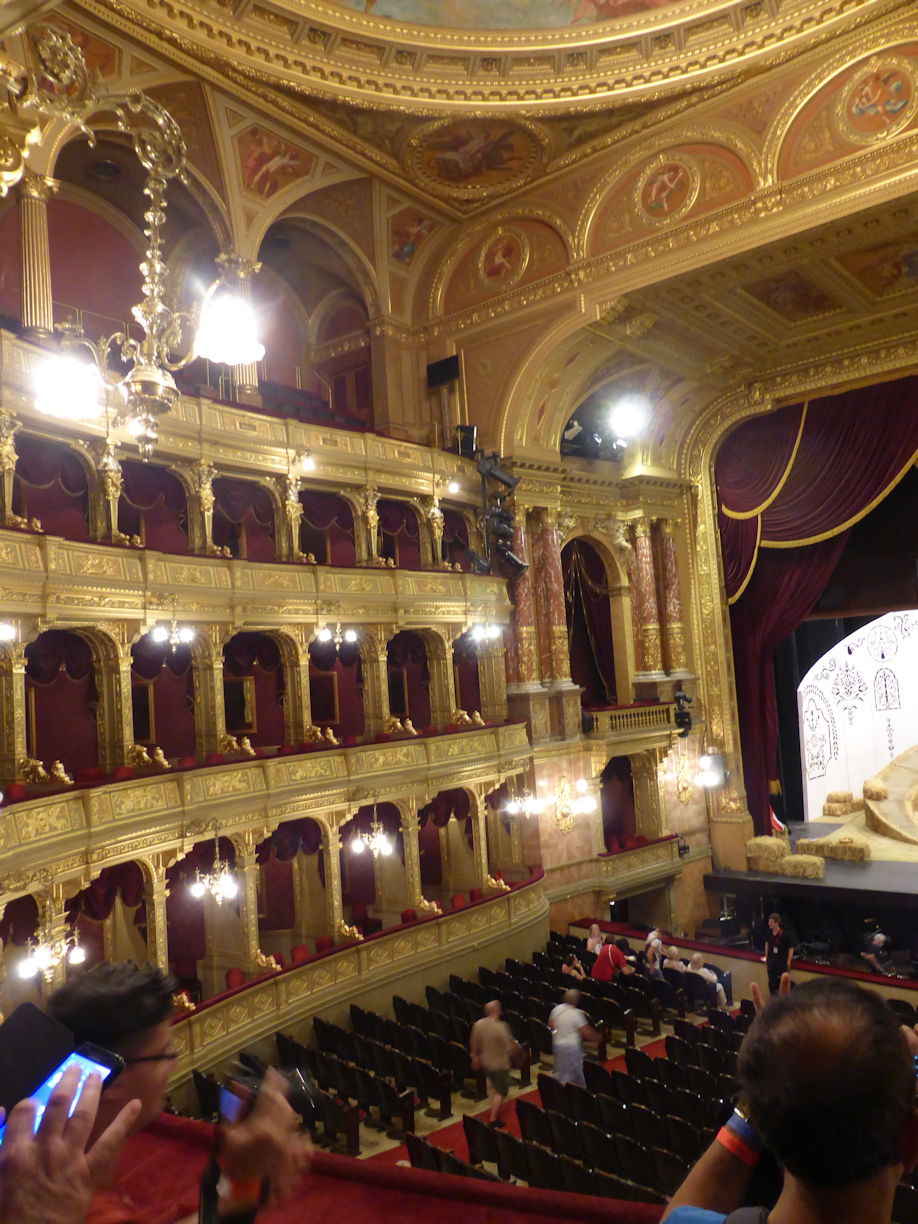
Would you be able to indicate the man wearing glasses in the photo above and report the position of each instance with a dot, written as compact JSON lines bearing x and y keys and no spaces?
{"x":128,"y":1010}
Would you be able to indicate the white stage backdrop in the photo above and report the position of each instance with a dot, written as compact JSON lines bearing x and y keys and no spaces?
{"x":858,"y":708}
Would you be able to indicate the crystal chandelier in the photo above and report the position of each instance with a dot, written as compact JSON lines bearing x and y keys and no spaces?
{"x":46,"y":953}
{"x":376,"y":841}
{"x":219,"y":882}
{"x":176,"y":635}
{"x":326,"y":635}
{"x":524,"y":804}
{"x":70,"y":388}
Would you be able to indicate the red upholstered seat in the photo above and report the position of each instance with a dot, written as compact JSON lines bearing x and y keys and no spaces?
{"x":409,"y":915}
{"x":287,"y":750}
{"x":85,"y":777}
{"x":234,"y":978}
{"x":458,"y":901}
{"x":215,"y":758}
{"x":324,"y":943}
{"x":123,"y":772}
{"x":474,"y":894}
{"x":187,"y":762}
{"x":300,"y":954}
{"x":14,"y":792}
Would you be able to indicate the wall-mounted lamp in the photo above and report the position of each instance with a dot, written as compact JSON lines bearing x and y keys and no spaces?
{"x":571,"y":802}
{"x":337,"y":636}
{"x":711,"y":770}
{"x":485,"y":633}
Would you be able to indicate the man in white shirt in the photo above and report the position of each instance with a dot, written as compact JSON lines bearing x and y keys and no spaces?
{"x":697,"y":965}
{"x":569,"y":1027}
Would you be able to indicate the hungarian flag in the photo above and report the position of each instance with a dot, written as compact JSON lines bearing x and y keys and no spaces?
{"x":776,"y":824}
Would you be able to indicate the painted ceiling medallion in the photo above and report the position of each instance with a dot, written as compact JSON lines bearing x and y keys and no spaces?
{"x":880,"y":101}
{"x":508,"y":15}
{"x":472,"y":159}
{"x":504,"y":257}
{"x":667,"y":188}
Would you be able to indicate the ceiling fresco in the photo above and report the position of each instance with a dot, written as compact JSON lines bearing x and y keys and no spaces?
{"x":507,"y":15}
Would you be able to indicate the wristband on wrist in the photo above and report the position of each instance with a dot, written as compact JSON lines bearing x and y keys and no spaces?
{"x":741,"y":1139}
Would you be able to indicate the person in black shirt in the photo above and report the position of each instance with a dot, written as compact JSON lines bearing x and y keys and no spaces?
{"x":779,"y":952}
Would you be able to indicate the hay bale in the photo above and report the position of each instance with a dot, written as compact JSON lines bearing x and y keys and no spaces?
{"x":771,"y":848}
{"x":839,"y":796}
{"x":847,"y":808}
{"x":802,"y":866}
{"x":844,"y":849}
{"x":874,"y":788}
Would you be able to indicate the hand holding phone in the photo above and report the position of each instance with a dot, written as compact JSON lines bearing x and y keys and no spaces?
{"x":47,"y":1176}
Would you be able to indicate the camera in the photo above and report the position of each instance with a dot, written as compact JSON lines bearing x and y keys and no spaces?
{"x":238,"y":1092}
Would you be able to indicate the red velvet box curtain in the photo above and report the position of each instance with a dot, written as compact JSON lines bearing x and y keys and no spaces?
{"x":153,"y":505}
{"x":407,"y":667}
{"x":257,"y":656}
{"x":789,"y":486}
{"x":342,"y":662}
{"x":61,"y":699}
{"x":589,"y":623}
{"x":327,"y":528}
{"x":51,"y":485}
{"x":244,"y":519}
{"x":401,"y":533}
{"x":455,"y":538}
{"x":171,"y":676}
{"x":465,"y":664}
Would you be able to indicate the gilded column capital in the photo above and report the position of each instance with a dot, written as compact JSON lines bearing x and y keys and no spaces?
{"x":36,"y":187}
{"x":233,"y":264}
{"x":665,"y":526}
{"x":642,"y":528}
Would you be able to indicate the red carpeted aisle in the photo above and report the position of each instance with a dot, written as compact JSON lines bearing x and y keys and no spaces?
{"x":452,"y":1138}
{"x":160,"y":1169}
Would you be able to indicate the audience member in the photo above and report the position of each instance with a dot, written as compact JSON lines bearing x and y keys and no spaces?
{"x":49,"y":1176}
{"x":828,"y":1086}
{"x":128,"y":1010}
{"x":779,"y":953}
{"x":491,"y":1044}
{"x":653,"y":961}
{"x":611,"y":960}
{"x":672,"y":960}
{"x":572,"y":967}
{"x":595,"y":940}
{"x":876,"y":953}
{"x":697,"y":966}
{"x":569,"y":1026}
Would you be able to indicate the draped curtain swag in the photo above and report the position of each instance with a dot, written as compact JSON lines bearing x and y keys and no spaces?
{"x":790,"y":485}
{"x":589,"y":623}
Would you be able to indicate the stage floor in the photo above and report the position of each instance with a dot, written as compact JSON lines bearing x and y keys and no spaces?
{"x":890,"y":876}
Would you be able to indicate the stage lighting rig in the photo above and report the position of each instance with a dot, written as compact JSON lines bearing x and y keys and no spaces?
{"x":682,"y":716}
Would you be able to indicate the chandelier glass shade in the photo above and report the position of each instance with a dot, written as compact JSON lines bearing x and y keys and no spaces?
{"x":219,"y":883}
{"x":377,"y":841}
{"x":46,"y":953}
{"x":524,"y":804}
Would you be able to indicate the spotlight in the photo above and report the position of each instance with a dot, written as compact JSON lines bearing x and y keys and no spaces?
{"x":489,"y":466}
{"x":453,"y":486}
{"x":324,"y":635}
{"x":7,"y":632}
{"x":477,"y":562}
{"x":681,"y":717}
{"x":628,"y":415}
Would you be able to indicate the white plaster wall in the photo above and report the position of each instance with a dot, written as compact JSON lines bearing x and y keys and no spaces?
{"x":858,"y":707}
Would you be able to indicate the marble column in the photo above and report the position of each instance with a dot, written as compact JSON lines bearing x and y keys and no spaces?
{"x":645,"y":613}
{"x":294,"y":647}
{"x":334,"y":905}
{"x":674,"y":628}
{"x":551,"y":597}
{"x":209,"y":708}
{"x":521,"y":648}
{"x":442,"y":680}
{"x":37,"y":312}
{"x":239,"y":273}
{"x":155,"y":895}
{"x":409,"y":830}
{"x":115,"y":715}
{"x":13,"y":747}
{"x":492,"y":680}
{"x":374,"y":663}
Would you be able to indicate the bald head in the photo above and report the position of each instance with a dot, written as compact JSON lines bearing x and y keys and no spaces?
{"x":492,"y":1009}
{"x":829,"y":1082}
{"x":572,"y":997}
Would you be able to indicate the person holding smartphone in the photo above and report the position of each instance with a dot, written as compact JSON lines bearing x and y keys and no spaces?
{"x":49,"y":1175}
{"x":128,"y":1010}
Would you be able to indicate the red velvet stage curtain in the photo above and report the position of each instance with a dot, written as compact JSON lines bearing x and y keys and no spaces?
{"x":455,"y":538}
{"x":244,"y":519}
{"x":589,"y":623}
{"x":60,"y":700}
{"x":409,"y":678}
{"x":465,"y":665}
{"x":153,"y":506}
{"x":336,"y":680}
{"x":789,"y":487}
{"x":327,"y":528}
{"x":257,"y":656}
{"x":51,"y":485}
{"x":171,"y":678}
{"x":401,"y":534}
{"x":783,"y":590}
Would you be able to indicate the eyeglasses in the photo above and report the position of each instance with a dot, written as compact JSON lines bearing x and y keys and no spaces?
{"x":167,"y":1056}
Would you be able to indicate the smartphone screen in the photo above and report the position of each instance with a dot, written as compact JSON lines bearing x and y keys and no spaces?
{"x":42,"y":1094}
